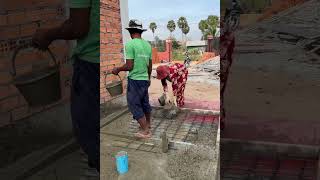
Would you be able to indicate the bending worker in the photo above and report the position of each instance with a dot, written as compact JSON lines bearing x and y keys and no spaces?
{"x":177,"y":74}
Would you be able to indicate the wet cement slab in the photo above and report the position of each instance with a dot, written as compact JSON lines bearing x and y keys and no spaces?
{"x":196,"y":157}
{"x":40,"y":131}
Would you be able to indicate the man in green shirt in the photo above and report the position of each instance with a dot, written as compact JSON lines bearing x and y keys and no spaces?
{"x":83,"y":25}
{"x":139,"y":64}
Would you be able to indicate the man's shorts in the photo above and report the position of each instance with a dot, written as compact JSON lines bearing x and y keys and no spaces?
{"x":138,"y":98}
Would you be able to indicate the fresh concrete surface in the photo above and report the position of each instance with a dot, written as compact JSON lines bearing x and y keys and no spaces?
{"x":274,"y":96}
{"x":70,"y":167}
{"x":146,"y":160}
{"x":36,"y":141}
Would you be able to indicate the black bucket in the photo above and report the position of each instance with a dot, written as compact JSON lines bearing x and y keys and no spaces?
{"x":41,"y":87}
{"x":114,"y":88}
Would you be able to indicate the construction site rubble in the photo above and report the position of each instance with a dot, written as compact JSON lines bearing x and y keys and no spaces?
{"x":208,"y":71}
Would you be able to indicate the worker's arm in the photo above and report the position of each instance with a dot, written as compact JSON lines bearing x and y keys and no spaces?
{"x":76,"y":27}
{"x":128,"y":66}
{"x":130,"y":56}
{"x":164,"y":85}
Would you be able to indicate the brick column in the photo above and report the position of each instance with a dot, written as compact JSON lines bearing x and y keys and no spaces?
{"x":169,"y":48}
{"x":111,"y":46}
{"x":210,"y":43}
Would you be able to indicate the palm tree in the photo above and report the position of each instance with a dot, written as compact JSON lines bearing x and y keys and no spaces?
{"x":182,"y":23}
{"x":153,"y":27}
{"x":185,"y":30}
{"x":209,"y":26}
{"x":212,"y":22}
{"x":203,"y":26}
{"x":171,"y":26}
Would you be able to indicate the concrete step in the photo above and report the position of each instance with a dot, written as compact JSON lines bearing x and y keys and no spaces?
{"x":34,"y":162}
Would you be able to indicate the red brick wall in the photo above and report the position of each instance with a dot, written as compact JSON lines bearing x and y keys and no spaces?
{"x":19,"y":19}
{"x":155,"y":57}
{"x":111,"y":45}
{"x":167,"y":55}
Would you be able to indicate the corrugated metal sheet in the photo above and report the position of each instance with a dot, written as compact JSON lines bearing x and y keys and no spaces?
{"x":196,"y":43}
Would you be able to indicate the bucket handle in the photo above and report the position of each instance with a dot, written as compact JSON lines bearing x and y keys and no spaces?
{"x":106,"y":74}
{"x":15,"y":53}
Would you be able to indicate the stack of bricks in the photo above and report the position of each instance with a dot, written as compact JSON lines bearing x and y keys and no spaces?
{"x":111,"y":44}
{"x":19,"y":19}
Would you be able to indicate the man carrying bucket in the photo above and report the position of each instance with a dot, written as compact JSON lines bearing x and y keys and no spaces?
{"x":139,"y":64}
{"x":83,"y":25}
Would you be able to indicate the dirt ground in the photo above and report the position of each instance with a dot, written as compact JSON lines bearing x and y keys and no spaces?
{"x":194,"y":90}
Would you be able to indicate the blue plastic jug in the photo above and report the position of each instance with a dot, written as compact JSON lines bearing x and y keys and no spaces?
{"x":122,"y":162}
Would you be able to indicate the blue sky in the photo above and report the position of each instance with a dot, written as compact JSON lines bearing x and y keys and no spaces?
{"x":161,"y":11}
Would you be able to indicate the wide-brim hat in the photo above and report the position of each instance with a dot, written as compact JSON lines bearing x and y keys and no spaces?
{"x":135,"y":24}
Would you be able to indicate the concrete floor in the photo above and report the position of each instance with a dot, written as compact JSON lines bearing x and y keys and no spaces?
{"x":26,"y":145}
{"x":241,"y":160}
{"x":273,"y":89}
{"x":146,"y":160}
{"x":39,"y":131}
{"x":70,"y":167}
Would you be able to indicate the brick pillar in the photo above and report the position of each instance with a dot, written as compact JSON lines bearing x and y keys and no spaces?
{"x":111,"y":44}
{"x":169,"y":48}
{"x":210,"y":44}
{"x":155,"y":57}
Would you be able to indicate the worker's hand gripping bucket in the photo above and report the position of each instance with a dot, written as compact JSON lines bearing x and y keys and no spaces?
{"x":41,"y":87}
{"x":122,"y":162}
{"x":115,"y":88}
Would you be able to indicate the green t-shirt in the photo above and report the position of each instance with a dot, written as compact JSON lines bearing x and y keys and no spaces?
{"x":140,"y":51}
{"x":88,"y":48}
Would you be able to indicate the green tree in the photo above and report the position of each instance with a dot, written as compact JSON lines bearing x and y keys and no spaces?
{"x":186,"y":30}
{"x":209,"y":26}
{"x":203,"y":26}
{"x":182,"y":23}
{"x":153,"y":27}
{"x":175,"y":44}
{"x":160,"y":44}
{"x":171,"y":27}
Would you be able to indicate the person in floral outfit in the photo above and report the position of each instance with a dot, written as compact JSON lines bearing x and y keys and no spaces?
{"x":177,"y":74}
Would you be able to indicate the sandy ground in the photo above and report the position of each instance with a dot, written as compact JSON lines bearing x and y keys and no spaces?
{"x":194,"y":90}
{"x":198,"y":87}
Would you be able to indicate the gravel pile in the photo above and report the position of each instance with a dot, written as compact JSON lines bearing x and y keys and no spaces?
{"x":209,"y":68}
